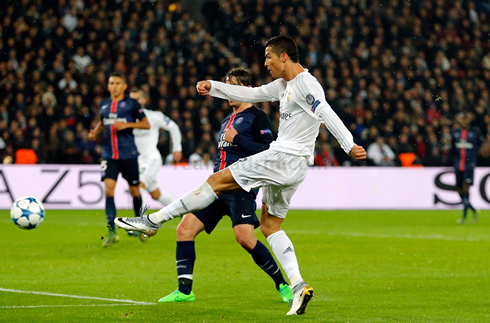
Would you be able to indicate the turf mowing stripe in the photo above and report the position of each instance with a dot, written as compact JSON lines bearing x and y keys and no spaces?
{"x":75,"y":305}
{"x":397,"y":236}
{"x":75,"y":296}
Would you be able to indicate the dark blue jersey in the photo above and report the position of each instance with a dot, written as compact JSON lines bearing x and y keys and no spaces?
{"x":254,"y":135}
{"x":465,"y":145}
{"x":119,"y":144}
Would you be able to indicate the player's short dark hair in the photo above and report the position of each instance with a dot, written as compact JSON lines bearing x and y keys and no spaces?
{"x":136,"y":90}
{"x":118,"y":74}
{"x":283,"y":44}
{"x":241,"y":74}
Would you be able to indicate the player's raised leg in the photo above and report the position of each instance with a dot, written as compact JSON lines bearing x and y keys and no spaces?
{"x":285,"y":253}
{"x":195,"y":200}
{"x":185,"y":255}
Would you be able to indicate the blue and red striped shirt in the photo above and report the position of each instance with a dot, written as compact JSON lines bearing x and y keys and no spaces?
{"x":466,"y":143}
{"x":119,"y":144}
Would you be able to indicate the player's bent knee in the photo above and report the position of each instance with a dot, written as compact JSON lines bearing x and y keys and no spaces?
{"x":246,"y":241}
{"x":184,"y":232}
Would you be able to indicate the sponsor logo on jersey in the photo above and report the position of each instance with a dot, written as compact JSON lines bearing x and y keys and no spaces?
{"x":239,"y":120}
{"x":315,"y":105}
{"x":463,"y":144}
{"x":104,"y":107}
{"x":285,"y":115}
{"x":264,"y":131}
{"x":310,"y":99}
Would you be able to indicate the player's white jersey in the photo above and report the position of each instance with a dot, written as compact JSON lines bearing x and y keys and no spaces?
{"x":303,"y":107}
{"x":147,"y":139}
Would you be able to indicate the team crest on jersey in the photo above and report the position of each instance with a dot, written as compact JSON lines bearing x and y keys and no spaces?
{"x":310,"y":99}
{"x":123,"y":104}
{"x":239,"y":120}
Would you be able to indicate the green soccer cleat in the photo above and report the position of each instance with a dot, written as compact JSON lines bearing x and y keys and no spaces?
{"x":286,"y":293}
{"x":112,"y":238}
{"x":178,"y":296}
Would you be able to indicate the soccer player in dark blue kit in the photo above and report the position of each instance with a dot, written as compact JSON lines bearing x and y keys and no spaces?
{"x":244,"y":132}
{"x":466,"y":143}
{"x":119,"y":115}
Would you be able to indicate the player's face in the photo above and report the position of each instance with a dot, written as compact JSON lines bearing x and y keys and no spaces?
{"x":138,"y":97}
{"x":464,"y":120}
{"x":116,"y":86}
{"x":273,"y":63}
{"x":233,"y":81}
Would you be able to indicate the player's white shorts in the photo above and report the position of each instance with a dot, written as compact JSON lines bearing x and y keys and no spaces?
{"x":149,"y":167}
{"x":278,"y":173}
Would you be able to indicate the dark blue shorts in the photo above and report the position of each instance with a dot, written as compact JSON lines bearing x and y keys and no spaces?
{"x":127,"y":167}
{"x":239,"y":206}
{"x":464,"y":177}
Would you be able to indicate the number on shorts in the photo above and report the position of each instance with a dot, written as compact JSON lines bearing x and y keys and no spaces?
{"x":103,"y":164}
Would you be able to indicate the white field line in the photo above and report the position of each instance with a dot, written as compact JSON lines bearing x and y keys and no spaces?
{"x":75,"y":296}
{"x":75,"y":305}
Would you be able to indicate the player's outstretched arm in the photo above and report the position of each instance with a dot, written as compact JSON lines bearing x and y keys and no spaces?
{"x":142,"y":124}
{"x":94,"y":133}
{"x":264,"y":93}
{"x":358,"y":153}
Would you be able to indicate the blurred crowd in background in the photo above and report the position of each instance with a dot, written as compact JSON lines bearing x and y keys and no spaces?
{"x":397,"y":72}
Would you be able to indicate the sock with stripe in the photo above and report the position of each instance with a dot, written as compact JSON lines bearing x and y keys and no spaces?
{"x":263,"y":258}
{"x":137,"y":203}
{"x":185,"y":256}
{"x":284,"y":251}
{"x":195,"y":200}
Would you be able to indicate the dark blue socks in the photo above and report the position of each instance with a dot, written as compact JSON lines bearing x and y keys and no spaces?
{"x":185,"y":256}
{"x":110,"y":212}
{"x":263,"y":258}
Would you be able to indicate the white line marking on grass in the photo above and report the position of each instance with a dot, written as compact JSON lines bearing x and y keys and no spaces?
{"x":75,"y":305}
{"x":75,"y":296}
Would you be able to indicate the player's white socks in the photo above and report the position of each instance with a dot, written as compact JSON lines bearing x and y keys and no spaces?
{"x":195,"y":200}
{"x":165,"y":198}
{"x":143,"y":197}
{"x":284,"y":251}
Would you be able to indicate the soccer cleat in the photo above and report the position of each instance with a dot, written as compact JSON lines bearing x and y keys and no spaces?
{"x":301,"y":297}
{"x":112,"y":238}
{"x":178,"y":296}
{"x":286,"y":293}
{"x":475,"y":216}
{"x":140,"y":224}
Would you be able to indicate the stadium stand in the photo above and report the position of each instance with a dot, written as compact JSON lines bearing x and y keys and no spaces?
{"x":401,"y":78}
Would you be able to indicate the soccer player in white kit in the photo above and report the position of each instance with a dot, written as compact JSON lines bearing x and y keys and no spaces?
{"x":150,"y":159}
{"x":278,"y":170}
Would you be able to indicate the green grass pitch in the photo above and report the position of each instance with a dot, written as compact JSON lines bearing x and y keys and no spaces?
{"x":365,"y":266}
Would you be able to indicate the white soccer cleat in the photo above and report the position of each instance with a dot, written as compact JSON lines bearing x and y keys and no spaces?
{"x":140,"y":224}
{"x":302,"y":295}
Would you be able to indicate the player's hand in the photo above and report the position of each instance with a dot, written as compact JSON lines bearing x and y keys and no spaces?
{"x":118,"y":125}
{"x":177,"y":156}
{"x":203,"y":87}
{"x":358,"y":153}
{"x":91,"y":135}
{"x":230,"y":134}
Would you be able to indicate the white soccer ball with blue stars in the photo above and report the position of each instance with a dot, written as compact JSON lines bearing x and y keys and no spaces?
{"x":27,"y":212}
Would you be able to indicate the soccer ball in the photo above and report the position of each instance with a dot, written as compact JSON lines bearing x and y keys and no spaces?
{"x":27,"y":212}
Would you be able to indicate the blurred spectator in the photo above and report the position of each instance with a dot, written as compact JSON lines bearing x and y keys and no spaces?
{"x":381,"y":79}
{"x":380,"y":153}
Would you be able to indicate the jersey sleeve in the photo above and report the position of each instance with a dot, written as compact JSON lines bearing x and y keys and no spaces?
{"x":264,"y":93}
{"x":261,"y":130}
{"x":311,"y":97}
{"x":137,"y":111}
